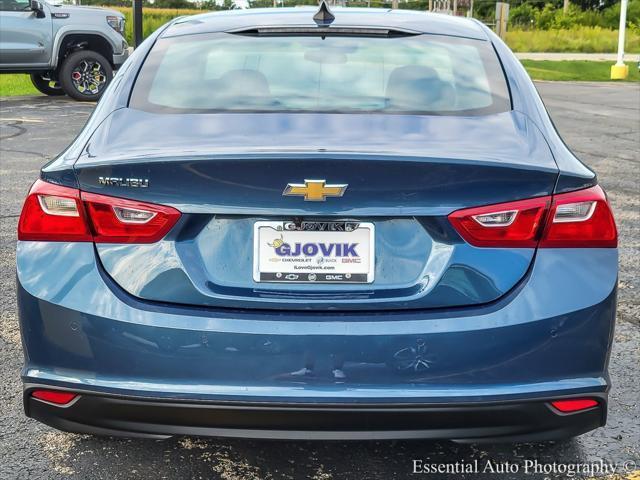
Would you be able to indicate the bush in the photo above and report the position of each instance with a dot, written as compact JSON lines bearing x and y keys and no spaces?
{"x":523,"y":15}
{"x":552,"y":16}
{"x":153,"y":18}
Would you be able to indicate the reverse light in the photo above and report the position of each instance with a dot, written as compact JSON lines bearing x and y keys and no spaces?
{"x":574,"y":212}
{"x":132,"y":215}
{"x":498,"y":219}
{"x":65,"y":207}
{"x":580,"y":219}
{"x":574,"y":405}
{"x":54,"y":396}
{"x":63,"y":214}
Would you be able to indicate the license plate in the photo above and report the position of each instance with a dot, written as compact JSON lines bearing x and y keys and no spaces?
{"x":313,"y":252}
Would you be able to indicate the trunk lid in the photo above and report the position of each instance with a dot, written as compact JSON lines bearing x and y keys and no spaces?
{"x":404,"y":173}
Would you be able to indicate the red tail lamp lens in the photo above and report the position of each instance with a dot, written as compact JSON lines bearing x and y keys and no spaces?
{"x":116,"y":220}
{"x":54,"y":396}
{"x":52,"y":212}
{"x":580,"y":219}
{"x":574,"y":405}
{"x":512,"y":224}
{"x":62,"y":214}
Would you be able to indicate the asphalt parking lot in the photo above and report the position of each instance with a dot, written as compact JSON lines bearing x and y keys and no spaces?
{"x":600,"y":122}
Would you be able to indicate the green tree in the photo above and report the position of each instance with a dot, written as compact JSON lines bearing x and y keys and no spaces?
{"x":216,"y":5}
{"x":173,"y":4}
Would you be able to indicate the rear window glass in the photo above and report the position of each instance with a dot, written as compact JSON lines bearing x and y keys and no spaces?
{"x":419,"y":74}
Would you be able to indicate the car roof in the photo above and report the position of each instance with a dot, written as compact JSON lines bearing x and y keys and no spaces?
{"x":406,"y":20}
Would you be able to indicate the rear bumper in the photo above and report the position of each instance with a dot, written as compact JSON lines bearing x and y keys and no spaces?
{"x":547,"y":339}
{"x":155,"y":418}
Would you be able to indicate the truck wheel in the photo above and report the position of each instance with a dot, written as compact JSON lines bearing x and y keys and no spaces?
{"x":45,"y":84}
{"x":85,"y":75}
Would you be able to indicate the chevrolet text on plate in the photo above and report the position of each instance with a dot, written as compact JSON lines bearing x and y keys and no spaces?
{"x":316,"y":223}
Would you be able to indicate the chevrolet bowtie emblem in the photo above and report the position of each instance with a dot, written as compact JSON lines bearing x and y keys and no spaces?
{"x":315,"y":190}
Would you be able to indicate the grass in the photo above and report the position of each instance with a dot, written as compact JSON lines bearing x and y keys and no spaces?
{"x":16,"y":84}
{"x":576,"y":70}
{"x":577,"y":40}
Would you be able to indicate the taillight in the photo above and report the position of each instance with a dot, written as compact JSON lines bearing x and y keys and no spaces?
{"x":513,"y":224}
{"x":52,"y":212}
{"x":580,"y":219}
{"x":569,"y":220}
{"x":54,"y":396}
{"x":63,"y":214}
{"x":116,"y":220}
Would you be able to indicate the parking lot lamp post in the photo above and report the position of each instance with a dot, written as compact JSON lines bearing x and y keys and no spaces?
{"x":137,"y":22}
{"x":620,"y":71}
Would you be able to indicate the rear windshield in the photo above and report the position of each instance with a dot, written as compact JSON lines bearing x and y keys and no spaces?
{"x":418,"y":74}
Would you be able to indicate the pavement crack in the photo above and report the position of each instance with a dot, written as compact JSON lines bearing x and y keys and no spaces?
{"x":26,"y":152}
{"x":15,"y":124}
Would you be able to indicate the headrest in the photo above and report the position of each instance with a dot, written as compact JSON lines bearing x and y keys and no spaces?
{"x":239,"y":83}
{"x":418,"y":88}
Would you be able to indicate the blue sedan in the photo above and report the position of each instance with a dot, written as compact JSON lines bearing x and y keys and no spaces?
{"x":304,"y":223}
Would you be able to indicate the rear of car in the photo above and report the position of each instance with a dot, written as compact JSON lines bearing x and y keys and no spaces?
{"x":303,"y":231}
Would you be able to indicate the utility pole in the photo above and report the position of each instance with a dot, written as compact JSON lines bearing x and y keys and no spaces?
{"x":620,"y":70}
{"x":137,"y":22}
{"x":565,"y":7}
{"x":394,"y":4}
{"x":502,"y":18}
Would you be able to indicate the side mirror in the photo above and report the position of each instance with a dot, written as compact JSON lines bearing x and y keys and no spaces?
{"x":37,"y":7}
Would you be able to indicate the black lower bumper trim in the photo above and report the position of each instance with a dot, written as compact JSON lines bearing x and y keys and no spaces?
{"x":138,"y":417}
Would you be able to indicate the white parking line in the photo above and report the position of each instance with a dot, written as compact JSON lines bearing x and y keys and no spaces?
{"x":23,"y":120}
